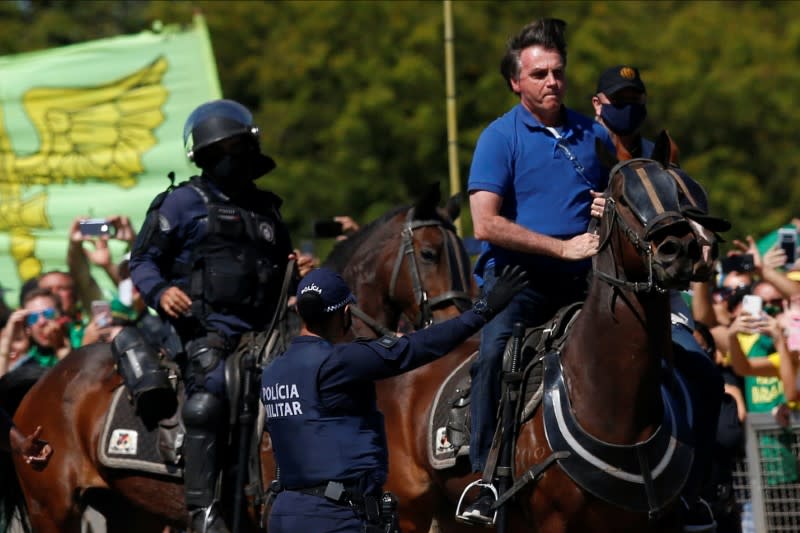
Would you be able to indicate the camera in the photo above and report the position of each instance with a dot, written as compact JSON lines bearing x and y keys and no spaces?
{"x":738,"y":263}
{"x":326,"y":229}
{"x":95,"y":227}
{"x":787,"y":239}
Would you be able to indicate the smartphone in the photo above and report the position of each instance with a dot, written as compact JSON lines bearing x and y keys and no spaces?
{"x":94,"y":227}
{"x":787,"y":239}
{"x":752,"y":304}
{"x":738,"y":263}
{"x":326,"y":229}
{"x":101,"y":312}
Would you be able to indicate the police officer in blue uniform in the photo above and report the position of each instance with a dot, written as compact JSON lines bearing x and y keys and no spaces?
{"x":211,"y":258}
{"x":327,"y":433}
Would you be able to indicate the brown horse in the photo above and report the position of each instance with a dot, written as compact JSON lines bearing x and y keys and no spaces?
{"x":416,"y":272}
{"x":612,"y":372}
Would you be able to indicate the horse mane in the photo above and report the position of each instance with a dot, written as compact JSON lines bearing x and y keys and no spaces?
{"x":343,"y":250}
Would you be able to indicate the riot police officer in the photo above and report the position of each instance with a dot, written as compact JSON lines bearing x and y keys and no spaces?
{"x":320,"y":395}
{"x":211,"y":258}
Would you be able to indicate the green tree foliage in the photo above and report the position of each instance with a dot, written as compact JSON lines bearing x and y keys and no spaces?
{"x":350,"y":95}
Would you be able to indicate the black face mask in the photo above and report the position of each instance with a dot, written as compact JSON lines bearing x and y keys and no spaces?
{"x":231,"y":172}
{"x":623,"y":119}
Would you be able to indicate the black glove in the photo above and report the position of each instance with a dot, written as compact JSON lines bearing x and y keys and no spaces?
{"x":509,"y":283}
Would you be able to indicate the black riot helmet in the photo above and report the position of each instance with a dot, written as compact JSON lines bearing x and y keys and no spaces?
{"x":216,"y":121}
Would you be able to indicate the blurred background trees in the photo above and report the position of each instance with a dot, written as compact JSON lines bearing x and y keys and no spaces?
{"x":350,"y":95}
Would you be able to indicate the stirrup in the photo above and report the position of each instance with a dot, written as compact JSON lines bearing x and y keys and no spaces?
{"x":708,"y":527}
{"x":477,"y":483}
{"x":209,"y":515}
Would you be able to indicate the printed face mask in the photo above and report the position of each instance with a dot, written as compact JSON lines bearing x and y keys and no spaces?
{"x":623,"y":119}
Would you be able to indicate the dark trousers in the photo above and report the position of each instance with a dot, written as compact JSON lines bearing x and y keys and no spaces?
{"x":295,"y":512}
{"x":532,"y":306}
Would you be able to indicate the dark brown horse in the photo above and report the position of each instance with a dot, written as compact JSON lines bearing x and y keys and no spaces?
{"x":414,"y":269}
{"x":610,"y":368}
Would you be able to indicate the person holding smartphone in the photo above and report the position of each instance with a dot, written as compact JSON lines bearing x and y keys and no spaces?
{"x":759,"y":353}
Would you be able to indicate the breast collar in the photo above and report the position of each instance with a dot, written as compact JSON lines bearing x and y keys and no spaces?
{"x":643,"y":477}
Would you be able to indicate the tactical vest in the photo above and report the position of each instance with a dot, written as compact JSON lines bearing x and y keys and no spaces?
{"x":234,"y":265}
{"x":313,"y":444}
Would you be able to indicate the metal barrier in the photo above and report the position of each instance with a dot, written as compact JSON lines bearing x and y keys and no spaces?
{"x":767,"y":481}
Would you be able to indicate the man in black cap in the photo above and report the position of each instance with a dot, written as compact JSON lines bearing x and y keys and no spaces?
{"x":320,"y":395}
{"x":620,"y":105}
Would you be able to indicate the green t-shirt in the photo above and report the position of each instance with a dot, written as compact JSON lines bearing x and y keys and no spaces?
{"x":762,"y":394}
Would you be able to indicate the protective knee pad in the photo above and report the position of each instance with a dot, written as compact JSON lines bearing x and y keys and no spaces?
{"x":203,"y":411}
{"x":141,"y":371}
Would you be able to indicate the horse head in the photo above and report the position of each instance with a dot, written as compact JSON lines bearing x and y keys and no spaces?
{"x":671,"y":238}
{"x":409,"y":265}
{"x":431,"y":276}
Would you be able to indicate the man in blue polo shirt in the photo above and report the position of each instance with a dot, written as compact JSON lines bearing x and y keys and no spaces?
{"x":533,"y":174}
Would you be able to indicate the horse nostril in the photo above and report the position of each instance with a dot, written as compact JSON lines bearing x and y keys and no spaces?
{"x":694,"y":251}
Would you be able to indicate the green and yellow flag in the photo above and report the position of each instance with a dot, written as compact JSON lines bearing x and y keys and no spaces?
{"x":94,"y":129}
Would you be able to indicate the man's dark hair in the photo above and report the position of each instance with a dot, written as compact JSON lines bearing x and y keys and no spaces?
{"x":311,"y":309}
{"x":27,"y":287}
{"x":547,"y":33}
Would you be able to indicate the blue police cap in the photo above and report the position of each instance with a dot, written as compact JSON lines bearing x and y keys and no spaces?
{"x":331,"y":290}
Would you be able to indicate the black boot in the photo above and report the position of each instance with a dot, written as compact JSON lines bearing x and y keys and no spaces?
{"x":480,"y":511}
{"x":201,"y":416}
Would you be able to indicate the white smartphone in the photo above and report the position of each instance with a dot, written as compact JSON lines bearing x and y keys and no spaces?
{"x":752,"y":304}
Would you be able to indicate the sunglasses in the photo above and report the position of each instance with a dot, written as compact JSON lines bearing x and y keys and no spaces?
{"x":773,"y":307}
{"x":48,"y":314}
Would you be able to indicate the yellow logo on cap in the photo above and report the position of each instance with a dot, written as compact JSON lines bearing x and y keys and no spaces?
{"x":628,"y":73}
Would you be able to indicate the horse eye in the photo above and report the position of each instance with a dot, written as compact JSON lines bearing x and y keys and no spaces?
{"x":429,"y":254}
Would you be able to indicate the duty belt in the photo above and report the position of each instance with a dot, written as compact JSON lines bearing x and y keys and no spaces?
{"x":345,"y":493}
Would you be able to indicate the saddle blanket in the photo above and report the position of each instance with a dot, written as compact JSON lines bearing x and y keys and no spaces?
{"x":126,"y":442}
{"x":441,"y":453}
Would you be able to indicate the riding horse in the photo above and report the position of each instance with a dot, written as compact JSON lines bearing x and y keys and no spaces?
{"x":612,"y":431}
{"x":609,"y":371}
{"x":418,"y":272}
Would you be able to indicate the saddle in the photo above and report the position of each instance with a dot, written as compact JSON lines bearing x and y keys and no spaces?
{"x":136,"y":441}
{"x":449,"y":421}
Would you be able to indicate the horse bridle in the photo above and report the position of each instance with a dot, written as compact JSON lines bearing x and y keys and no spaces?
{"x":662,"y":218}
{"x":460,"y":298}
{"x":612,"y":216}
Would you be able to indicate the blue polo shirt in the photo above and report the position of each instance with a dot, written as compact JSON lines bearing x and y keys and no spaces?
{"x":544,"y":181}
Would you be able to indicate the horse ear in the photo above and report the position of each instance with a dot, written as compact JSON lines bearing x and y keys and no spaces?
{"x":665,"y":150}
{"x":428,"y":202}
{"x":607,"y":159}
{"x":453,"y":206}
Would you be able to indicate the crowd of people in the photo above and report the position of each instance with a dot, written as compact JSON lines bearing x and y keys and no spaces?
{"x":209,"y":262}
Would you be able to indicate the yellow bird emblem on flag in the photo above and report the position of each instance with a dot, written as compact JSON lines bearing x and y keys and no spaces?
{"x":95,"y":133}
